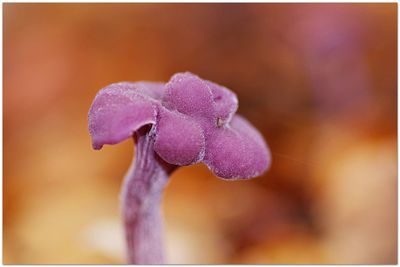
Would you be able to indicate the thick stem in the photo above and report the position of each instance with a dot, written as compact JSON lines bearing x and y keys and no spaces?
{"x":141,"y":199}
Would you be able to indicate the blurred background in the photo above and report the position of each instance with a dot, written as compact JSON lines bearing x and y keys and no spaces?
{"x":318,"y":80}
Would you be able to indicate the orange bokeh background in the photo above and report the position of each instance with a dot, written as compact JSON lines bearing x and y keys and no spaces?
{"x":318,"y":80}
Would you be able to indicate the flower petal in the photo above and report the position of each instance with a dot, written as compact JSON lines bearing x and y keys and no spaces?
{"x":117,"y":111}
{"x":190,"y":95}
{"x":179,"y":139}
{"x":225,"y":102}
{"x":237,"y":152}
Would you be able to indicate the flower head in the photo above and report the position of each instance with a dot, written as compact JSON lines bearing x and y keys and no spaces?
{"x":193,"y":121}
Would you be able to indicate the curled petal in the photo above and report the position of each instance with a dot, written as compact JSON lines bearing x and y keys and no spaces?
{"x":225,"y":102}
{"x":117,"y":112}
{"x":179,"y":139}
{"x":237,"y":152}
{"x":190,"y":95}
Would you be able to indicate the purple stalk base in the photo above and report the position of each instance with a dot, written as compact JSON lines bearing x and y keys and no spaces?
{"x":141,"y":199}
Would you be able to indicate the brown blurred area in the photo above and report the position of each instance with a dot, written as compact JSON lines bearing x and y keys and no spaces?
{"x":318,"y":80}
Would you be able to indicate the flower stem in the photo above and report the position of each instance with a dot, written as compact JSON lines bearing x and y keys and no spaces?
{"x":141,"y":199}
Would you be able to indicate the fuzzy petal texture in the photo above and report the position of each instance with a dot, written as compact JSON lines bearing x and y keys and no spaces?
{"x":117,"y":111}
{"x":190,"y":95}
{"x":234,"y":153}
{"x":179,"y":140}
{"x":225,"y":102}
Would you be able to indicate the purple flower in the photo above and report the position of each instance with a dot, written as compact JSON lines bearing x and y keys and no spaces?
{"x":193,"y":121}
